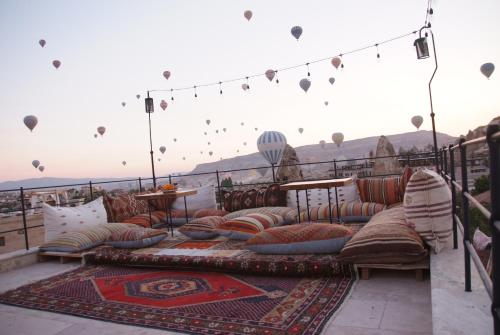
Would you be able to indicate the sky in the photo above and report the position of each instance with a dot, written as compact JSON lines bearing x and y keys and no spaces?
{"x":113,"y":50}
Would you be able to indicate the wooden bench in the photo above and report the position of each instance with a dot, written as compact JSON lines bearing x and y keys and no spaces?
{"x":64,"y":257}
{"x":418,"y":267}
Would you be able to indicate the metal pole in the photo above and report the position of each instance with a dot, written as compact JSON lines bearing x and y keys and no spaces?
{"x":151,"y":148}
{"x":274,"y":176}
{"x":445,"y":162}
{"x":453,"y":196}
{"x":140,"y":185}
{"x":465,"y":212}
{"x":432,"y":107}
{"x":91,"y":192}
{"x":25,"y":228}
{"x":494,"y":148}
{"x":218,"y":189}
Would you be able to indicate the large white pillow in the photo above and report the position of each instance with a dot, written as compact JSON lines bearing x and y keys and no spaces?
{"x":204,"y":198}
{"x":59,"y":220}
{"x":319,"y":197}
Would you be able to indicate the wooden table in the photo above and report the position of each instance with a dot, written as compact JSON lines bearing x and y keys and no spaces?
{"x":307,"y":185}
{"x":165,"y":196}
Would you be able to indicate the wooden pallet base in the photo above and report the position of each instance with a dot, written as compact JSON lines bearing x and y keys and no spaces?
{"x":419,"y":268}
{"x":64,"y":257}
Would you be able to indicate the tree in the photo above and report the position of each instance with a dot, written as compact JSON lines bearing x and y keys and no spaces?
{"x":227,"y":182}
{"x":481,"y":184}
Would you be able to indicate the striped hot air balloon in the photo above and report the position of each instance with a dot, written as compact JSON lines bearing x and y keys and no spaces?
{"x":271,"y":145}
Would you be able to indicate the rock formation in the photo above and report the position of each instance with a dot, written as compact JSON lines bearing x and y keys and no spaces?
{"x":289,"y":173}
{"x":388,"y":165}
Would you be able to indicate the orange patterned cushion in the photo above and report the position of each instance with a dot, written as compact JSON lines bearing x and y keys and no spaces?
{"x":209,"y":212}
{"x":349,"y":212}
{"x":244,"y":227}
{"x":381,"y":190}
{"x":136,"y":238}
{"x":123,"y":206}
{"x":202,"y":228}
{"x":157,"y":217}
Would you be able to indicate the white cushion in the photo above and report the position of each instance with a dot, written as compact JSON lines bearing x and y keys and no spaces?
{"x":204,"y":198}
{"x":319,"y":197}
{"x":60,"y":220}
{"x":427,"y":206}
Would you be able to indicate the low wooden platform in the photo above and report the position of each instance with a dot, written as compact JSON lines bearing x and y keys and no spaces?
{"x":418,"y":267}
{"x":64,"y":257}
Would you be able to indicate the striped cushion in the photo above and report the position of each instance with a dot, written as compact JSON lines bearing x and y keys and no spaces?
{"x":386,"y":239}
{"x":349,"y":212}
{"x":209,"y":212}
{"x":202,"y":228}
{"x":157,"y":217}
{"x":305,"y":238}
{"x":75,"y":241}
{"x":244,"y":227}
{"x":136,"y":238}
{"x":381,"y":190}
{"x":427,"y":208}
{"x":288,"y":214}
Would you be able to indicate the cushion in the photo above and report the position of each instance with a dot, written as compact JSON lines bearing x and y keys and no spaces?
{"x":385,"y":190}
{"x":304,"y":238}
{"x":157,"y":217}
{"x":270,"y":196}
{"x":209,"y":212}
{"x":244,"y":227}
{"x":123,"y":206}
{"x":75,"y":241}
{"x":405,"y":178}
{"x":427,"y":208}
{"x":349,"y":212}
{"x":59,"y":220}
{"x":136,"y":238}
{"x":385,"y":239}
{"x":319,"y":197}
{"x":202,"y":228}
{"x":204,"y":198}
{"x":288,"y":214}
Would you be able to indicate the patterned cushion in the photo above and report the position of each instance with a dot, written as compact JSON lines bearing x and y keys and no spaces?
{"x":115,"y":226}
{"x":306,"y":238}
{"x":60,"y":220}
{"x":319,"y":197}
{"x":157,"y":217}
{"x":209,"y":212}
{"x":244,"y":227}
{"x":405,"y":178}
{"x":202,"y":228}
{"x":75,"y":241}
{"x":381,"y":190}
{"x":349,"y":212}
{"x":427,"y":208}
{"x":123,"y":206}
{"x":163,"y":204}
{"x":385,"y":239}
{"x":136,"y":238}
{"x":288,"y":214}
{"x":271,"y":196}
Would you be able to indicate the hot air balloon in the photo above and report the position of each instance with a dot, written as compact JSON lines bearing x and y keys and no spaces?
{"x":322,"y":143}
{"x":331,"y":80}
{"x":41,"y":168}
{"x":305,"y":84}
{"x":123,"y":104}
{"x":244,"y":143}
{"x":417,"y":121}
{"x":162,"y":149}
{"x":101,"y":130}
{"x":208,"y":122}
{"x":205,"y":133}
{"x":301,"y":130}
{"x":30,"y":121}
{"x":175,"y":140}
{"x":243,"y":123}
{"x":208,"y":143}
{"x":256,"y":128}
{"x":124,"y":163}
{"x":271,"y":145}
{"x":201,"y":152}
{"x":95,"y":135}
{"x":166,"y":74}
{"x":56,"y":63}
{"x":338,"y":138}
{"x":487,"y":69}
{"x":138,"y":96}
{"x":35,"y":163}
{"x":224,"y":129}
{"x":216,"y":131}
{"x":210,"y":153}
{"x":163,"y":104}
{"x":238,"y":150}
{"x":159,"y":159}
{"x":270,"y":74}
{"x":336,"y":61}
{"x":183,"y":158}
{"x":326,"y":103}
{"x":42,"y":43}
{"x":248,"y":14}
{"x":244,"y":87}
{"x":296,"y":32}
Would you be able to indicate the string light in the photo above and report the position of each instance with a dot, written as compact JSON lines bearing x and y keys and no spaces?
{"x":288,"y":68}
{"x":277,"y":79}
{"x":308,"y":72}
{"x":341,"y":61}
{"x":220,"y":87}
{"x":378,"y":54}
{"x":195,"y":92}
{"x":172,"y":94}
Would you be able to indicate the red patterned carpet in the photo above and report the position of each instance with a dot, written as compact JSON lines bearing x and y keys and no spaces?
{"x":190,"y":302}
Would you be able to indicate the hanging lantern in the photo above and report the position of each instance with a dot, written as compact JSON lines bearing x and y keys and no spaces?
{"x":149,"y":104}
{"x":421,"y":46}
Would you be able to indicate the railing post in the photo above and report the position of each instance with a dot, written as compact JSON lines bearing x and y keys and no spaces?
{"x":445,"y":160}
{"x":465,"y":211}
{"x":140,"y":185}
{"x":441,"y":161}
{"x":408,"y":160}
{"x":25,"y":228}
{"x":218,"y":189}
{"x":274,"y":175}
{"x":494,"y":148}
{"x":453,"y":196}
{"x":170,"y":179}
{"x":91,"y":192}
{"x":335,"y":168}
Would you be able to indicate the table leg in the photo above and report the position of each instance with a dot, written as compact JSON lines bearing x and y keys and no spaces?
{"x":329,"y":206}
{"x":337,"y":204}
{"x":298,"y":205}
{"x":150,"y":218}
{"x":186,"y":209}
{"x":307,"y":206}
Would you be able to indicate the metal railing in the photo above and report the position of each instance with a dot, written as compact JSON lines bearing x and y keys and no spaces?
{"x":462,"y":220}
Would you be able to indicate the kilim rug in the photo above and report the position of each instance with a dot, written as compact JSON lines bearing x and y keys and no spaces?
{"x":189,"y":302}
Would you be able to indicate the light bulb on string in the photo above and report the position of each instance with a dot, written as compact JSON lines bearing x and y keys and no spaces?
{"x":195,"y":92}
{"x":378,"y":53}
{"x":308,"y":72}
{"x":248,"y":86}
{"x":277,"y":79}
{"x":172,"y":94}
{"x":220,"y":87}
{"x":341,"y":61}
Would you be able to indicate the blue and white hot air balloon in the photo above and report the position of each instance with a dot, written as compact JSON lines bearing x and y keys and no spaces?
{"x":271,"y":145}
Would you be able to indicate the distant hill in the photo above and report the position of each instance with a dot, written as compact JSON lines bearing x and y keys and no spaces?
{"x":358,"y":148}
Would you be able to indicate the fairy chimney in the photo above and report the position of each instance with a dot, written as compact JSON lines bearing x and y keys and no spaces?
{"x":387,"y":165}
{"x":292,"y":172}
